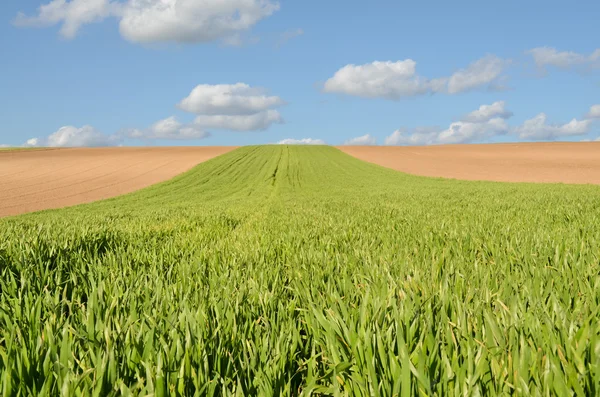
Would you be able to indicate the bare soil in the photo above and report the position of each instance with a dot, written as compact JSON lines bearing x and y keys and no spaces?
{"x":54,"y":178}
{"x":566,"y":162}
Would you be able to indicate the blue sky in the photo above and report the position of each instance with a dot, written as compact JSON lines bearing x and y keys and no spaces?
{"x":238,"y":72}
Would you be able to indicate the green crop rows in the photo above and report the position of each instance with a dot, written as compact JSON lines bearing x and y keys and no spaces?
{"x":278,"y":270}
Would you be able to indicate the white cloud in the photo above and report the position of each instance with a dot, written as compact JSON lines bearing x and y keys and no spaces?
{"x":4,"y":146}
{"x":69,"y":136}
{"x":362,"y":140}
{"x":304,"y":141}
{"x":591,"y":140}
{"x":169,"y":128}
{"x":33,"y":142}
{"x":486,"y":122}
{"x":236,"y":107}
{"x":488,"y":112}
{"x":191,"y":132}
{"x":419,"y":136}
{"x":489,"y":121}
{"x":191,"y":21}
{"x":252,"y":122}
{"x":78,"y":137}
{"x":458,"y":132}
{"x":88,"y":136}
{"x":482,"y":72}
{"x":228,"y":99}
{"x":151,"y":21}
{"x":73,"y":15}
{"x":390,"y":80}
{"x":594,"y":112}
{"x":537,"y":128}
{"x":395,"y":80}
{"x":465,"y":132}
{"x":548,"y":56}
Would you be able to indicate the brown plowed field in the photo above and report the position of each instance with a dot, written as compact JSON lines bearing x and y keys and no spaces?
{"x":33,"y":180}
{"x":567,"y":162}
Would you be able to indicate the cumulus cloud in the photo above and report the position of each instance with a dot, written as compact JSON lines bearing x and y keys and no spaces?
{"x":489,"y":121}
{"x":396,"y":80}
{"x":537,"y":128}
{"x":254,"y":122}
{"x":594,"y":112}
{"x":33,"y":142}
{"x":486,"y":122}
{"x":548,"y":56}
{"x":190,"y":21}
{"x":390,"y":80}
{"x":228,"y":99}
{"x":72,"y":15}
{"x":88,"y":136}
{"x":362,"y":140}
{"x":236,"y":107}
{"x":481,"y":73}
{"x":418,"y":136}
{"x":4,"y":145}
{"x":458,"y":132}
{"x":466,"y":132}
{"x":70,"y":136}
{"x":488,"y":112}
{"x":169,"y":128}
{"x":152,"y":21}
{"x":304,"y":141}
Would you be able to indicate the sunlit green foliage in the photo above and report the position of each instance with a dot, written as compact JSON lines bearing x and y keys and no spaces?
{"x":281,"y":270}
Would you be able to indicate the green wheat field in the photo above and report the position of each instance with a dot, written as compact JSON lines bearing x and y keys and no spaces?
{"x":284,"y":271}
